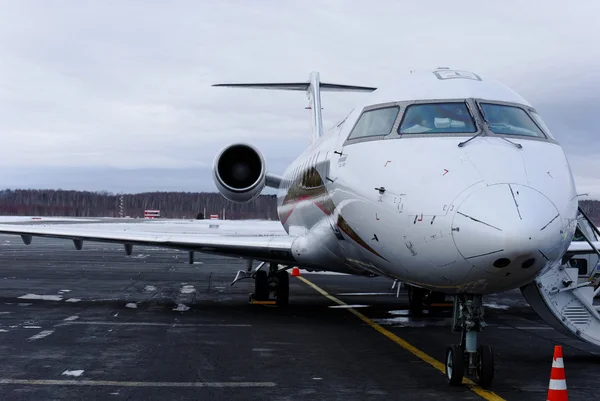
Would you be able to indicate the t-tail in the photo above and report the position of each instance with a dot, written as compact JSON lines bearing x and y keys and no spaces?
{"x":313,"y":88}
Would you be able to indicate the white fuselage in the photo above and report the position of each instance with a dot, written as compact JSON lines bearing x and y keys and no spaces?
{"x":482,"y":218}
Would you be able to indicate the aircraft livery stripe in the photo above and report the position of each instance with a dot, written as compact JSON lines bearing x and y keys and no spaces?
{"x":486,"y":394}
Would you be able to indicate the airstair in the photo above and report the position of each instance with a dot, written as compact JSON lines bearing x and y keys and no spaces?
{"x":563,"y":297}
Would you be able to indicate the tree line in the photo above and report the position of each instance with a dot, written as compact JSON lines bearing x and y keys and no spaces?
{"x":49,"y":202}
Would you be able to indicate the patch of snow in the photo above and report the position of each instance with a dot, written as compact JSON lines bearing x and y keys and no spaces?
{"x":73,"y":300}
{"x":65,"y":291}
{"x":41,"y":334}
{"x":24,"y":304}
{"x":141,"y":256}
{"x":188,"y":289}
{"x":116,"y":314}
{"x":71,"y":318}
{"x":348,"y":306}
{"x":131,"y":305}
{"x":4,"y":313}
{"x":302,"y":271}
{"x":42,"y":297}
{"x":181,"y":308}
{"x":402,"y":312}
{"x":75,"y":373}
{"x":3,"y":331}
{"x":150,"y":288}
{"x":494,"y":305}
{"x":32,"y":327}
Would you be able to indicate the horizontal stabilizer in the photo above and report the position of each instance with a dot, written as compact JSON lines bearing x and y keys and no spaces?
{"x":313,"y":88}
{"x":301,"y":86}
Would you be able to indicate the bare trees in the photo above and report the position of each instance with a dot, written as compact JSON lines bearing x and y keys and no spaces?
{"x":96,"y":204}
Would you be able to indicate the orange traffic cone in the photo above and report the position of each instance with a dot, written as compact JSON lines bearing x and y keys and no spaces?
{"x":557,"y":389}
{"x":295,"y":271}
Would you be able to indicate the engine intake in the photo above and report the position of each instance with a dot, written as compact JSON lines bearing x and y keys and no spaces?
{"x":239,"y":172}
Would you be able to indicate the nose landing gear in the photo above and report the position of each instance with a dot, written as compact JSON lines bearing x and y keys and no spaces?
{"x":467,"y":357}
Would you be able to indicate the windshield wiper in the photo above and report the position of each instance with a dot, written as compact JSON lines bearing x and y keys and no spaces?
{"x":461,"y":144}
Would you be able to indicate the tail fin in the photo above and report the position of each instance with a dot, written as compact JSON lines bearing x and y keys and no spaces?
{"x":313,"y":89}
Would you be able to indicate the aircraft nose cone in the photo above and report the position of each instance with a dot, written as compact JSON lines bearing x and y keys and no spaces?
{"x":508,"y":230}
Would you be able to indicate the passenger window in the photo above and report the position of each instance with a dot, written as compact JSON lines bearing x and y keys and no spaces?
{"x":509,"y":120}
{"x":376,"y":122}
{"x":437,"y":118}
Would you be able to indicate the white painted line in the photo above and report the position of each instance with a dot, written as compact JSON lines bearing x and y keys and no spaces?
{"x":71,"y":318}
{"x":41,"y":334}
{"x":347,"y":306}
{"x":135,"y":384}
{"x":75,"y":373}
{"x":3,"y":331}
{"x":32,"y":327}
{"x":73,"y":300}
{"x":83,"y":322}
{"x":364,"y":293}
{"x":149,"y":288}
{"x":131,"y":305}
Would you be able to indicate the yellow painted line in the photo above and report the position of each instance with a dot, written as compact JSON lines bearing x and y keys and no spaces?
{"x":488,"y":395}
{"x":134,"y":384}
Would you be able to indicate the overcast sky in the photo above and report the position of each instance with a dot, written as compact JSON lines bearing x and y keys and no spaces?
{"x":116,"y":95}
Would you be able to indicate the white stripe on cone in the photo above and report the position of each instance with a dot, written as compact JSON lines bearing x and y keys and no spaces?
{"x":558,"y":384}
{"x":558,"y":363}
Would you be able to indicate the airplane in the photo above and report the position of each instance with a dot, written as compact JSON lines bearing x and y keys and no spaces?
{"x":444,"y":180}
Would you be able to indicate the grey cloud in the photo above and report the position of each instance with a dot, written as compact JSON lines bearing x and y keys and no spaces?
{"x":94,"y":90}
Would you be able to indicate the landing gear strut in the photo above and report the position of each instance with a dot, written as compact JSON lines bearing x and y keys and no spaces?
{"x":420,"y":299}
{"x":469,"y":358}
{"x":276,"y":282}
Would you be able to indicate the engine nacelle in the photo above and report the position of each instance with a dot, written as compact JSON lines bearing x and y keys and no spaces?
{"x":239,"y":172}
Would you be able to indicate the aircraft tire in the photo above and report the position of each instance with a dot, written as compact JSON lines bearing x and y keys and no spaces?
{"x":415,"y":300}
{"x":455,"y":365}
{"x":484,"y":367}
{"x":261,"y":286}
{"x":283,"y":288}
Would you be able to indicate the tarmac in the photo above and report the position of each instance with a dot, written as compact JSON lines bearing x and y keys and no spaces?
{"x":96,"y":324}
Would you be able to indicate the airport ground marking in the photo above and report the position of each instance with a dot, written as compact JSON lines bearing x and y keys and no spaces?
{"x":113,"y":383}
{"x":486,"y":394}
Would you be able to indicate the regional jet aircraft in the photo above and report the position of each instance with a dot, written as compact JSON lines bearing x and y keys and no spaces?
{"x":445,"y":180}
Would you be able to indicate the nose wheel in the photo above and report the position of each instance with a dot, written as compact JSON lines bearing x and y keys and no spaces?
{"x":467,"y":358}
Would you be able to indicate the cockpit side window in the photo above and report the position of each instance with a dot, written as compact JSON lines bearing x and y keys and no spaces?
{"x":377,"y":122}
{"x":509,"y":120}
{"x":437,"y":118}
{"x":541,"y":123}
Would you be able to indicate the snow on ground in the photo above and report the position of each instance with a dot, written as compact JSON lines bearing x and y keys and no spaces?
{"x":42,"y":297}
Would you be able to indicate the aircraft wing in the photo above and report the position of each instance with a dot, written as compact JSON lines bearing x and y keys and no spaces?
{"x":260,"y":240}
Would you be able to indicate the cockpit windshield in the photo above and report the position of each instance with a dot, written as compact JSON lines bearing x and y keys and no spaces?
{"x":437,"y":118}
{"x":509,"y":120}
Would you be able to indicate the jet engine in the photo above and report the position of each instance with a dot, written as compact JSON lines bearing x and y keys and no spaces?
{"x":239,"y":172}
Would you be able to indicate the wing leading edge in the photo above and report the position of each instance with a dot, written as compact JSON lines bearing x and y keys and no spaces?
{"x":265,"y":247}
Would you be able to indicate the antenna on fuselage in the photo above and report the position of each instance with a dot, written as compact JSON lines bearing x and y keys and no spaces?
{"x":313,"y":89}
